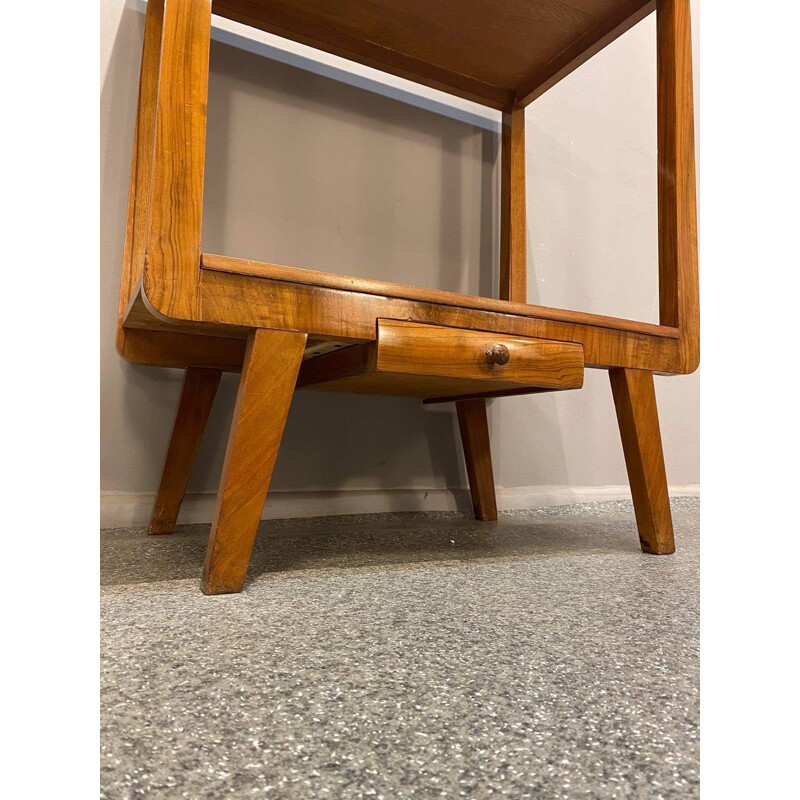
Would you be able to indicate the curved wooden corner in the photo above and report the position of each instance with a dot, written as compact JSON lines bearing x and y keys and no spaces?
{"x":172,"y":261}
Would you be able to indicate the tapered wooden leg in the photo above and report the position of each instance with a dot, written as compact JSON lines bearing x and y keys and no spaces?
{"x":635,"y":400}
{"x":272,"y":361}
{"x":475,"y":439}
{"x":197,"y":397}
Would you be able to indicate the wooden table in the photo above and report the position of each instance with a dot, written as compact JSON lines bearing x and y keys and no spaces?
{"x":285,"y":328}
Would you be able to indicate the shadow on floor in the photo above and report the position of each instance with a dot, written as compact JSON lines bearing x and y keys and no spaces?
{"x":130,"y":555}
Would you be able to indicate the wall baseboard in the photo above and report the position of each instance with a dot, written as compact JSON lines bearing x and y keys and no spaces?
{"x":125,"y":509}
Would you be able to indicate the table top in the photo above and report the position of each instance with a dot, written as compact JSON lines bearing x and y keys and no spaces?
{"x":495,"y":52}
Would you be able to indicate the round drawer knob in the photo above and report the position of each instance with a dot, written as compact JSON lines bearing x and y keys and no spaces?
{"x":498,"y":355}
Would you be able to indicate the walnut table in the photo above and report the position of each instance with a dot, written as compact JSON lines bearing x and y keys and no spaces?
{"x":285,"y":328}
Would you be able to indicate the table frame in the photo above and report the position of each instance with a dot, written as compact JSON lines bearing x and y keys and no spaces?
{"x":210,"y":313}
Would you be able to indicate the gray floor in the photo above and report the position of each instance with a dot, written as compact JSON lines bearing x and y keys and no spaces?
{"x":406,"y":656}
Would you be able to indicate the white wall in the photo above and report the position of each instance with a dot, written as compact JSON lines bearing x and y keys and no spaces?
{"x":306,"y":170}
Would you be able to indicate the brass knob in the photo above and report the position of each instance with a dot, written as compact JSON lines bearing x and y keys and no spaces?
{"x":498,"y":355}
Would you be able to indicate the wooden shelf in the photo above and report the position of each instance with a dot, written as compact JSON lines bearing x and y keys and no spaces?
{"x":328,"y":280}
{"x":496,"y":52}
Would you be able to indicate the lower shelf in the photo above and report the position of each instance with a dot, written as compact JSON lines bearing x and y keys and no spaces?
{"x":432,"y":362}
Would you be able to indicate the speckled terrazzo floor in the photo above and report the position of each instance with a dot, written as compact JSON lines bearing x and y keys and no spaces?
{"x":406,"y":656}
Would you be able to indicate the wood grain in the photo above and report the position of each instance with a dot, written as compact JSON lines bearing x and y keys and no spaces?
{"x":411,"y":348}
{"x":677,"y":200}
{"x":141,"y":315}
{"x":174,"y":118}
{"x":347,"y":315}
{"x":421,"y":387}
{"x":266,"y":386}
{"x":637,"y":415}
{"x":313,"y":31}
{"x":477,"y":49}
{"x":426,"y":361}
{"x":621,"y":17}
{"x":194,"y":406}
{"x":158,"y":349}
{"x":513,"y":219}
{"x":172,"y":261}
{"x":474,"y":429}
{"x":141,"y":170}
{"x":309,"y":277}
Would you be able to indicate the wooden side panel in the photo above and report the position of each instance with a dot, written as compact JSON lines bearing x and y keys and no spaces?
{"x":197,"y":397}
{"x":677,"y":202}
{"x":148,"y":346}
{"x":635,"y":402}
{"x":141,"y":169}
{"x":265,"y":392}
{"x":513,"y":221}
{"x":474,"y":429}
{"x":172,"y":261}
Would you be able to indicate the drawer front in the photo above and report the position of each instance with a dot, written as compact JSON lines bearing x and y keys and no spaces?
{"x":416,"y":349}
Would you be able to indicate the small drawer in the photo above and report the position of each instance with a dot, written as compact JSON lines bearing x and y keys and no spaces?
{"x":416,"y":349}
{"x":433,"y":362}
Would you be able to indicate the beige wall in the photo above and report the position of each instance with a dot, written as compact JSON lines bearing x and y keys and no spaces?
{"x":309,"y":171}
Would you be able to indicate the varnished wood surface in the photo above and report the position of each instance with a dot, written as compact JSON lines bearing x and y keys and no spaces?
{"x":347,"y":315}
{"x":353,"y":371}
{"x":262,"y":404}
{"x":422,"y":387}
{"x":158,"y":349}
{"x":677,"y":194}
{"x":141,"y":315}
{"x":623,"y":17}
{"x":426,"y":361}
{"x":140,"y":174}
{"x":149,"y":345}
{"x":637,"y":415}
{"x":180,"y":298}
{"x":486,"y":51}
{"x":513,"y":217}
{"x":176,"y":189}
{"x":411,"y":348}
{"x":197,"y":397}
{"x":328,"y":280}
{"x":474,"y":428}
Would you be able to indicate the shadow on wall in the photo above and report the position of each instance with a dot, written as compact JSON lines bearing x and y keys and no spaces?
{"x":304,"y":170}
{"x":137,"y":404}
